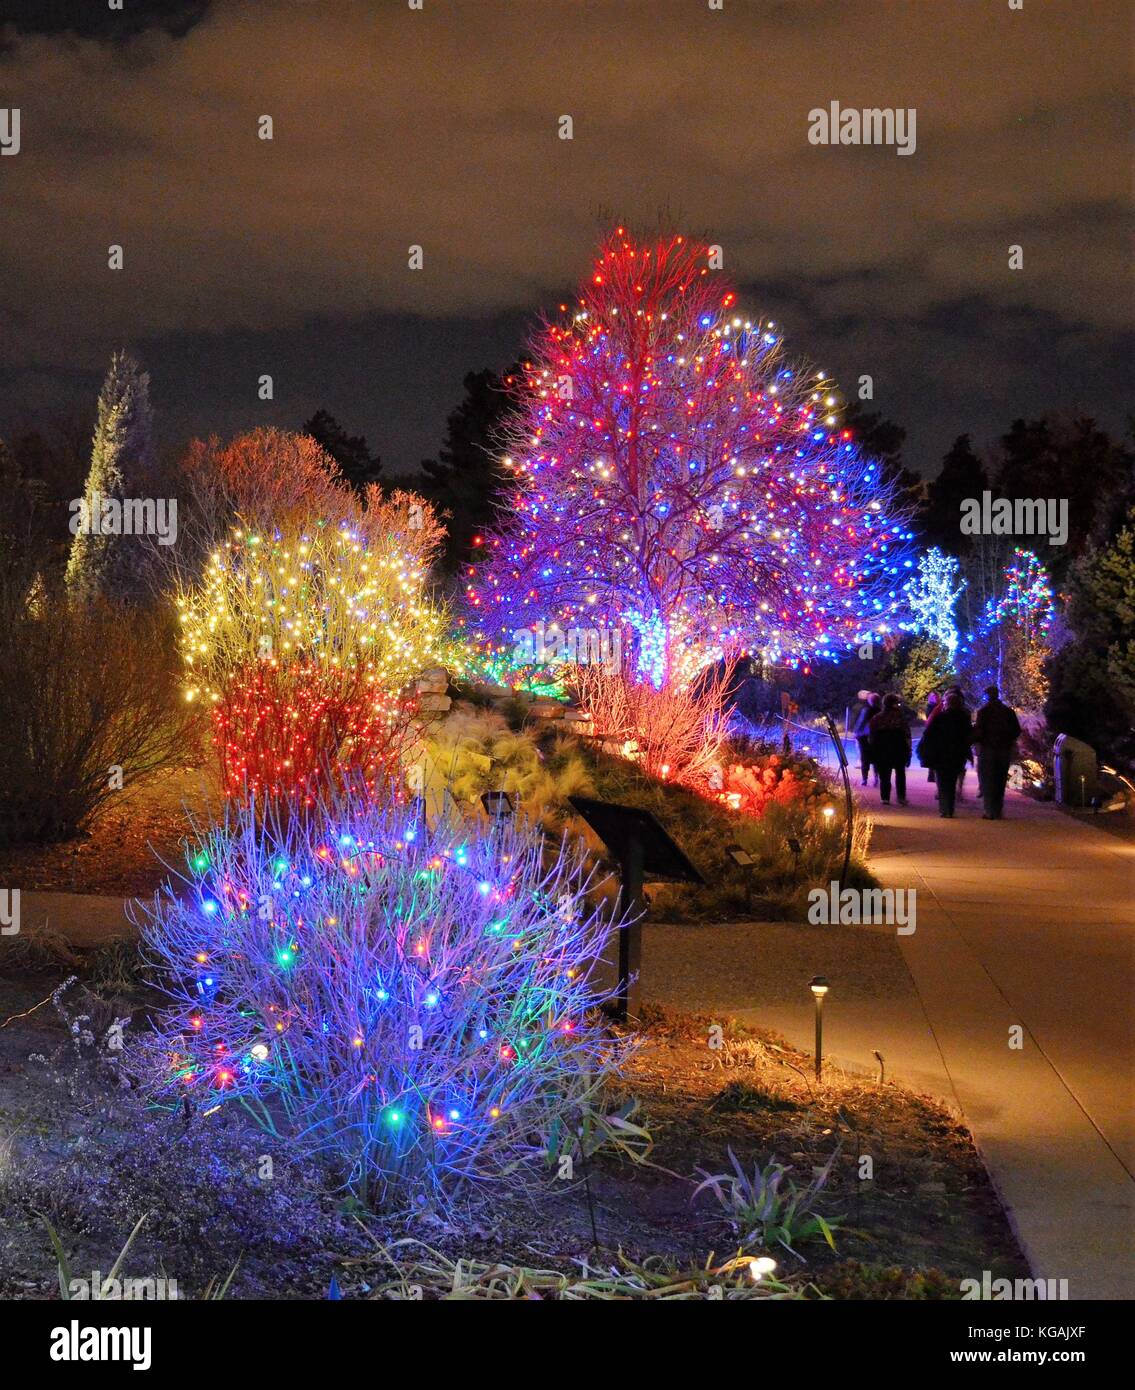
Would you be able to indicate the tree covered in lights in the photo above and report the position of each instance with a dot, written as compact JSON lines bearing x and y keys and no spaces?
{"x":679,"y":478}
{"x":1011,"y":644}
{"x":418,"y":1003}
{"x":933,"y":596}
{"x":104,"y":562}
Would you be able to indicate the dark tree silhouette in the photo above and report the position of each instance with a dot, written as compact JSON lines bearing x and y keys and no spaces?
{"x":466,"y":479}
{"x":1073,"y":459}
{"x":358,"y":466}
{"x":882,"y":439}
{"x":962,"y":476}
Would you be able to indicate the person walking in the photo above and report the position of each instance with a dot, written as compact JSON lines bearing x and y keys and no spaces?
{"x":995,"y":732}
{"x":933,"y":705}
{"x":890,"y":748}
{"x":945,"y":748}
{"x":862,"y":732}
{"x":960,"y":693}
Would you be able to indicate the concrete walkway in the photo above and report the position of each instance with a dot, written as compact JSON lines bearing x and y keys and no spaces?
{"x":1028,"y":923}
{"x":1025,"y":923}
{"x":85,"y":920}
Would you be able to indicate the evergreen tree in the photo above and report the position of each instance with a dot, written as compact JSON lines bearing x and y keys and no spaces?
{"x":962,"y":476}
{"x":1072,"y":460}
{"x":466,"y":480}
{"x":1093,"y":676}
{"x":357,"y":465}
{"x":103,"y":561}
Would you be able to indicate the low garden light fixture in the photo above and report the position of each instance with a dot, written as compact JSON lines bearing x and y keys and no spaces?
{"x":761,"y":1266}
{"x":819,"y":985}
{"x":829,"y":811}
{"x":739,"y":855}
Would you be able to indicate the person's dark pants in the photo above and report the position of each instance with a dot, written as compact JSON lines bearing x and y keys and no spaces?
{"x":885,"y":770}
{"x":949,"y":776}
{"x":993,"y":773}
{"x":864,"y":757}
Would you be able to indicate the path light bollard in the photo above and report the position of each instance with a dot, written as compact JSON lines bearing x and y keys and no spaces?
{"x":819,"y":986}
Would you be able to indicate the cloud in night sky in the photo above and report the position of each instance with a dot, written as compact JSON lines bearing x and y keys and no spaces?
{"x":439,"y":128}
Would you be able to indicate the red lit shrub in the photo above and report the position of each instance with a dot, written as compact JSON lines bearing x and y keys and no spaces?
{"x":295,"y":734}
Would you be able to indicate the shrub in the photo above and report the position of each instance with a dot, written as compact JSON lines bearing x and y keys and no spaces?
{"x":475,"y":750}
{"x":263,"y":477}
{"x":416,"y":1003}
{"x":752,"y":788}
{"x":674,"y":733}
{"x":927,"y":666}
{"x":301,"y":733}
{"x":767,"y":1208}
{"x":304,"y":593}
{"x":84,"y":689}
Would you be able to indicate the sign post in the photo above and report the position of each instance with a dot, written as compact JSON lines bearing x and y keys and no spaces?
{"x":643,"y":851}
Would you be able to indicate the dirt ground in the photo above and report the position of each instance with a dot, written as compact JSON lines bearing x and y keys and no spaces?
{"x":122,"y":853}
{"x":924,"y":1218}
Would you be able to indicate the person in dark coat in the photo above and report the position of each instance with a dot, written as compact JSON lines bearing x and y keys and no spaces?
{"x":890,"y":748}
{"x":960,"y":693}
{"x":995,"y":733}
{"x":862,"y":732}
{"x":933,"y":705}
{"x":945,"y":748}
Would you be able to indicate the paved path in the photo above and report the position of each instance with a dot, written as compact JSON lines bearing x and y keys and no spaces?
{"x":85,"y":920}
{"x":1023,"y":923}
{"x":1029,"y":923}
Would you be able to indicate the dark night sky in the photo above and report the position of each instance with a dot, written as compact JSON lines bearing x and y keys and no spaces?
{"x":438,"y":127}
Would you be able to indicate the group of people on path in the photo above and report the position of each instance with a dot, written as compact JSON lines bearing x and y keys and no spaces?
{"x":949,"y":742}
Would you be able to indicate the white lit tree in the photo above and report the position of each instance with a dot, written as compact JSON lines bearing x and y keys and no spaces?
{"x":933,"y":596}
{"x":112,"y":565}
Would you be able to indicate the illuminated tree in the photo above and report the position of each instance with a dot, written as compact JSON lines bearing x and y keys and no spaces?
{"x":679,"y":477}
{"x":1011,"y":644}
{"x":932,"y":596}
{"x":105,"y":563}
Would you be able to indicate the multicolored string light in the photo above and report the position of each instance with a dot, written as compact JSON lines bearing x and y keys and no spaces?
{"x":418,"y":1001}
{"x":677,"y":475}
{"x":1027,"y":602}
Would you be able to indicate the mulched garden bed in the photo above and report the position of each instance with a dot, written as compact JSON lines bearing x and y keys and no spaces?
{"x":927,"y":1218}
{"x":122,"y":853}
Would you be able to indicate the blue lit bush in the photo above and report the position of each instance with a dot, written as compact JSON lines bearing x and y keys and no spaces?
{"x":421,"y":1004}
